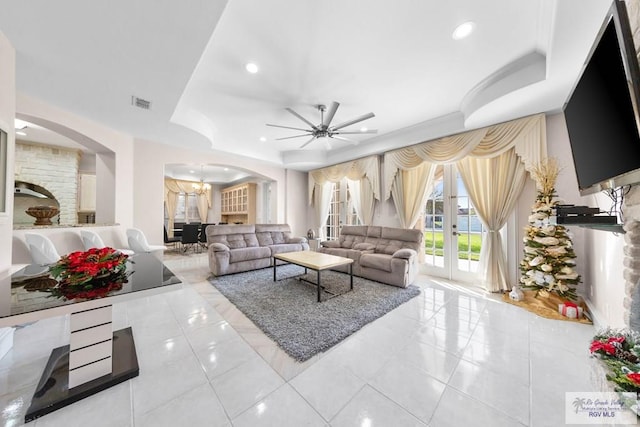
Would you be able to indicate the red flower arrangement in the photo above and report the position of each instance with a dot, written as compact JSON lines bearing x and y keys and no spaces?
{"x":91,"y":274}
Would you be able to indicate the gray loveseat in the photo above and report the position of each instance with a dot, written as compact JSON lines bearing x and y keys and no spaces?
{"x":244,"y":247}
{"x":384,"y":254}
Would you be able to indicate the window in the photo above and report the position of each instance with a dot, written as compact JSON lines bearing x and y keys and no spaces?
{"x":341,"y":210}
{"x":187,"y":208}
{"x":333,"y":221}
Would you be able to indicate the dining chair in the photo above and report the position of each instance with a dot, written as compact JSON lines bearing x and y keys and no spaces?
{"x":138,"y":242}
{"x":189,"y":238}
{"x":173,"y":241}
{"x":91,"y":239}
{"x":41,"y":248}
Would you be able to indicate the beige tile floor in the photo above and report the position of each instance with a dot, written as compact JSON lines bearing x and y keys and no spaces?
{"x":453,"y":356}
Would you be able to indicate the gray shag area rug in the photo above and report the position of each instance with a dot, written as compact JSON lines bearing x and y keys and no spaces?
{"x":288,"y":312}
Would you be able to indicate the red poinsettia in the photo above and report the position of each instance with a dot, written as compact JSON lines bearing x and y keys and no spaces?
{"x":90,"y":274}
{"x":635,"y":377}
{"x":608,"y":346}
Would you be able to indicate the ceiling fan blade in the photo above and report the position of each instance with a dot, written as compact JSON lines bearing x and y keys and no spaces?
{"x":350,"y":141}
{"x":355,"y":132}
{"x":288,"y":127}
{"x":351,"y":122}
{"x":301,"y":118}
{"x":330,"y":113}
{"x":290,"y":137}
{"x":308,"y":142}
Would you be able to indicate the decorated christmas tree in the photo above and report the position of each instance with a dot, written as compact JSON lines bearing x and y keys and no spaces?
{"x":549,"y":260}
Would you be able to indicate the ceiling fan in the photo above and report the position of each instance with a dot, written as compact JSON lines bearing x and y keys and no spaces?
{"x":324,"y":129}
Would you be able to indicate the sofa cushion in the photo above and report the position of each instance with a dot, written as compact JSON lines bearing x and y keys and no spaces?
{"x":264,"y":238}
{"x":277,"y":237}
{"x":343,"y":252}
{"x":251,"y":240}
{"x":389,"y":247}
{"x":236,"y":241}
{"x":364,"y":246}
{"x":377,"y":261}
{"x":330,"y":244}
{"x":285,"y":247}
{"x":247,"y":254}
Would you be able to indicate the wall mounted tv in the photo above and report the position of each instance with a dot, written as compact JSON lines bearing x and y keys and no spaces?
{"x":602,"y":111}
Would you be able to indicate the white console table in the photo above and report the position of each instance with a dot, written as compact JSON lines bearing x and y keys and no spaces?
{"x":97,"y":357}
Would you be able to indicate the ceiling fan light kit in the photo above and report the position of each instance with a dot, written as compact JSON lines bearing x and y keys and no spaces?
{"x":324,"y":129}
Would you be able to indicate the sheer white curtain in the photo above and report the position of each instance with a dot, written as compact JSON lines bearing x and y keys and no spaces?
{"x":354,"y":192}
{"x":524,"y":140}
{"x":366,"y":171}
{"x":363,"y":199}
{"x":203,"y":206}
{"x":494,"y":186}
{"x":321,"y":202}
{"x":410,"y":190}
{"x":171,"y":201}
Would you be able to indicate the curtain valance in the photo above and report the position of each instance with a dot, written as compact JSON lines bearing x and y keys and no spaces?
{"x":179,"y":186}
{"x":526,"y":135}
{"x":366,"y":170}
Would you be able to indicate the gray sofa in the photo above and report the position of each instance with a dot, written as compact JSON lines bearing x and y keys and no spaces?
{"x":384,"y":254}
{"x":244,"y":247}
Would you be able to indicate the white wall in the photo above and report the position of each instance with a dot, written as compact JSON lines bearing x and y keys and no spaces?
{"x":297,"y":202}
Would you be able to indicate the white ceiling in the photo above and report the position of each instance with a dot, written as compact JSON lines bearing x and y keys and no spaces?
{"x":397,"y":60}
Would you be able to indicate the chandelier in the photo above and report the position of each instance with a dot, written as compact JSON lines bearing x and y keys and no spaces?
{"x":201,"y":186}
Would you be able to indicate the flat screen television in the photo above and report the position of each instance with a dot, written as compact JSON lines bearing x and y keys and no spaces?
{"x":602,"y":111}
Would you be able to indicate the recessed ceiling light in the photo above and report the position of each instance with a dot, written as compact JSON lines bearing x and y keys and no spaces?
{"x":226,"y":169}
{"x":263,"y":139}
{"x":463,"y":30}
{"x":363,"y":129}
{"x":192,"y":171}
{"x":251,"y":68}
{"x":21,"y":133}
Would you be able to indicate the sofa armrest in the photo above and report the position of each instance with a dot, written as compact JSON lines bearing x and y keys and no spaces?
{"x":297,"y":240}
{"x":404,"y":253}
{"x":330,"y":244}
{"x":364,"y":246}
{"x":218,"y":247}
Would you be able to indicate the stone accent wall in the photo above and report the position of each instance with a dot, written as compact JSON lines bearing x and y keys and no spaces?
{"x":631,"y":208}
{"x":53,"y":168}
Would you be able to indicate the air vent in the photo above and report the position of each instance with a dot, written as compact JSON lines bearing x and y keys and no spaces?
{"x":140,"y":103}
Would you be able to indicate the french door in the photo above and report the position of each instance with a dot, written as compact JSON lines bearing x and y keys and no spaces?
{"x":453,"y":231}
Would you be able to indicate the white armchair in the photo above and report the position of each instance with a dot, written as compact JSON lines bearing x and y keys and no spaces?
{"x":91,"y":239}
{"x":41,"y":248}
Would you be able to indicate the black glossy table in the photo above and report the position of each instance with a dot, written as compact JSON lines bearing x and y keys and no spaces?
{"x":97,"y":357}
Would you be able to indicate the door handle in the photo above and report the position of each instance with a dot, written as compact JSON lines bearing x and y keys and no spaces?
{"x":455,"y":233}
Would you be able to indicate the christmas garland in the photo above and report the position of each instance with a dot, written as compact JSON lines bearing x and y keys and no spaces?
{"x":620,"y":352}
